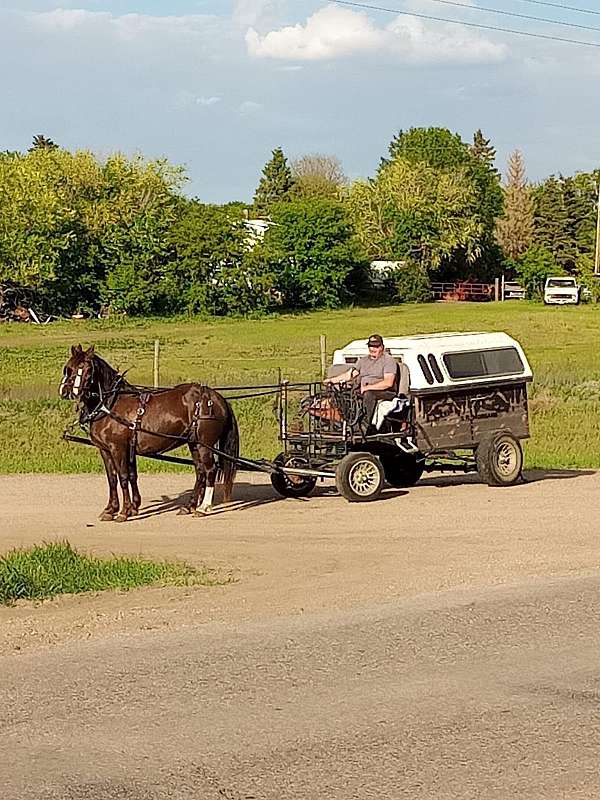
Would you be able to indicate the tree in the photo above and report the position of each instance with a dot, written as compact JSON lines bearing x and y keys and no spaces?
{"x":418,"y":212}
{"x":515,"y":229}
{"x":443,"y":151}
{"x":483,"y":150}
{"x":312,"y":251}
{"x":565,"y":217}
{"x":41,"y":142}
{"x":317,"y":175}
{"x":83,"y":232}
{"x":276,"y":183}
{"x":212,"y":268}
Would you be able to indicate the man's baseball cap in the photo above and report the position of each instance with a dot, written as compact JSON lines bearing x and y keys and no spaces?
{"x":375,"y":340}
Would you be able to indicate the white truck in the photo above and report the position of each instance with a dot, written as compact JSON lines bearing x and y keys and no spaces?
{"x":562,"y":291}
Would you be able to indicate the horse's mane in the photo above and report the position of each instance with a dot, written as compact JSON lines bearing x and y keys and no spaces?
{"x":106,"y":375}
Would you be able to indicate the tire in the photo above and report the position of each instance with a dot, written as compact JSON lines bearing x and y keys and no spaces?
{"x":403,"y":470}
{"x":499,"y":459}
{"x":359,"y":477}
{"x":292,"y":485}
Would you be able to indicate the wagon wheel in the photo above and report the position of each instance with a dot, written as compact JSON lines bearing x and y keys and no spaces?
{"x":499,"y":459}
{"x":292,"y":485}
{"x":403,"y":469}
{"x":359,"y":477}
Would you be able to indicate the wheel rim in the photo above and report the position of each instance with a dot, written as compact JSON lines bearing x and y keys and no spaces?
{"x":507,"y":459}
{"x":296,"y":480}
{"x":364,"y":478}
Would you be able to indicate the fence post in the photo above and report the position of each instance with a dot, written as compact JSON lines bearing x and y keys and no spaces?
{"x":496,"y":289}
{"x":323,"y":346}
{"x":502,"y":289}
{"x":156,"y":363}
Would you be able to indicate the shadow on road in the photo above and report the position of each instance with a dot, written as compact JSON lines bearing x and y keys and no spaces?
{"x":246,"y":496}
{"x":536,"y":475}
{"x":530,"y":476}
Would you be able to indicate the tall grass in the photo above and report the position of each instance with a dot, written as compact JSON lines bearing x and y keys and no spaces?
{"x":45,"y":571}
{"x":561,"y":343}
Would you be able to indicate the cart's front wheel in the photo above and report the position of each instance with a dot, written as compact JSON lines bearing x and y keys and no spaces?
{"x":359,"y":477}
{"x":292,"y":485}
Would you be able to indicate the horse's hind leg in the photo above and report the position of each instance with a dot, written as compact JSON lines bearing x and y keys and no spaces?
{"x":136,"y":498}
{"x":199,"y":483}
{"x":112,"y":507}
{"x":210,"y":476}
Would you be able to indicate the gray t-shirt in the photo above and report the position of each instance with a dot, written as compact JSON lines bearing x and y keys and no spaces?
{"x":372,"y":370}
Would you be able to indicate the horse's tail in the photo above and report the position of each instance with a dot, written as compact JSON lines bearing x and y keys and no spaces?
{"x":230,"y":445}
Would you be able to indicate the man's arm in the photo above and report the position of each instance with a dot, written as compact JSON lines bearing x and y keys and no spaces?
{"x":345,"y":376}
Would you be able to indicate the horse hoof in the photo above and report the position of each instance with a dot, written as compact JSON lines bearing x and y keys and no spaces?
{"x":184,"y":510}
{"x":121,"y":518}
{"x":203,"y":512}
{"x":106,"y":516}
{"x":134,"y":512}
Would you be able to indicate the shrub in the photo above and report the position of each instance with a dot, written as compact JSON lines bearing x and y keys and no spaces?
{"x":412,"y":284}
{"x":533,"y":267}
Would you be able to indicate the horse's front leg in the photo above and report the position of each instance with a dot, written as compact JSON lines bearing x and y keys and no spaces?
{"x":121,"y":459}
{"x":209,"y":466}
{"x":112,"y":507}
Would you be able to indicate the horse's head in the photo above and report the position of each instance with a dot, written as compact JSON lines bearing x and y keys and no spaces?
{"x":77,"y":373}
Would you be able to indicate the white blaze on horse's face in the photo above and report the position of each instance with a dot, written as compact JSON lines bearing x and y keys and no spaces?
{"x":77,"y":382}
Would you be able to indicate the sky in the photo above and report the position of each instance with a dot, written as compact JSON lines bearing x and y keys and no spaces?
{"x":215,"y":85}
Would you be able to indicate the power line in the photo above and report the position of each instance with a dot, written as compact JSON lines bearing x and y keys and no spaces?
{"x":516,"y":14}
{"x":561,"y":6}
{"x":466,"y":24}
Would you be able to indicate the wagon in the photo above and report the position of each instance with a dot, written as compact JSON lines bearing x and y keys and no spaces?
{"x":461,"y":406}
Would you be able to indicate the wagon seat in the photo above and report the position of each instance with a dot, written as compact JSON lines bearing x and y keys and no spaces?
{"x":396,"y":409}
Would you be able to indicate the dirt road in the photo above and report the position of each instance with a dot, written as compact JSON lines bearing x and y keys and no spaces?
{"x":441,"y":643}
{"x":298,"y":556}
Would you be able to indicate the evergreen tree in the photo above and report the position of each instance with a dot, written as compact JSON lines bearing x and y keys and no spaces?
{"x":41,"y":142}
{"x":515,"y":229}
{"x":550,"y":218}
{"x":483,"y":150}
{"x":276,"y":183}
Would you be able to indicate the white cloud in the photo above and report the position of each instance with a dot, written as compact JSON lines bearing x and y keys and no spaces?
{"x":334,"y":32}
{"x":208,"y":101}
{"x":249,"y":107}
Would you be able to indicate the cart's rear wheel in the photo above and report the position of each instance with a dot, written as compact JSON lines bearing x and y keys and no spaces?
{"x":359,"y":477}
{"x":292,"y":485}
{"x":499,"y":459}
{"x":403,"y":469}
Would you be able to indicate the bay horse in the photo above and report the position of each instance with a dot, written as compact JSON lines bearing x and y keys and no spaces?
{"x":127,"y":421}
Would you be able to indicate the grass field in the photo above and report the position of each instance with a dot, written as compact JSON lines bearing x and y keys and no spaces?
{"x":561,"y":343}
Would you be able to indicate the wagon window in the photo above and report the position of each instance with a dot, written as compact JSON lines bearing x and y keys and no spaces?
{"x":483,"y":363}
{"x":425,"y":369}
{"x":435,"y":368}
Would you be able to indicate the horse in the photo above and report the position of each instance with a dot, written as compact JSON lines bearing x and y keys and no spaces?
{"x":126,"y":421}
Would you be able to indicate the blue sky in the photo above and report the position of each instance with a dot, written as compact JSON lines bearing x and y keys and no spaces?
{"x":215,"y":86}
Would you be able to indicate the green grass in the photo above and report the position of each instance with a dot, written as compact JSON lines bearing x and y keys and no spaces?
{"x":45,"y":571}
{"x":561,"y":343}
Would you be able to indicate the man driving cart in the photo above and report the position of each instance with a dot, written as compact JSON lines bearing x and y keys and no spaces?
{"x":378,"y":376}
